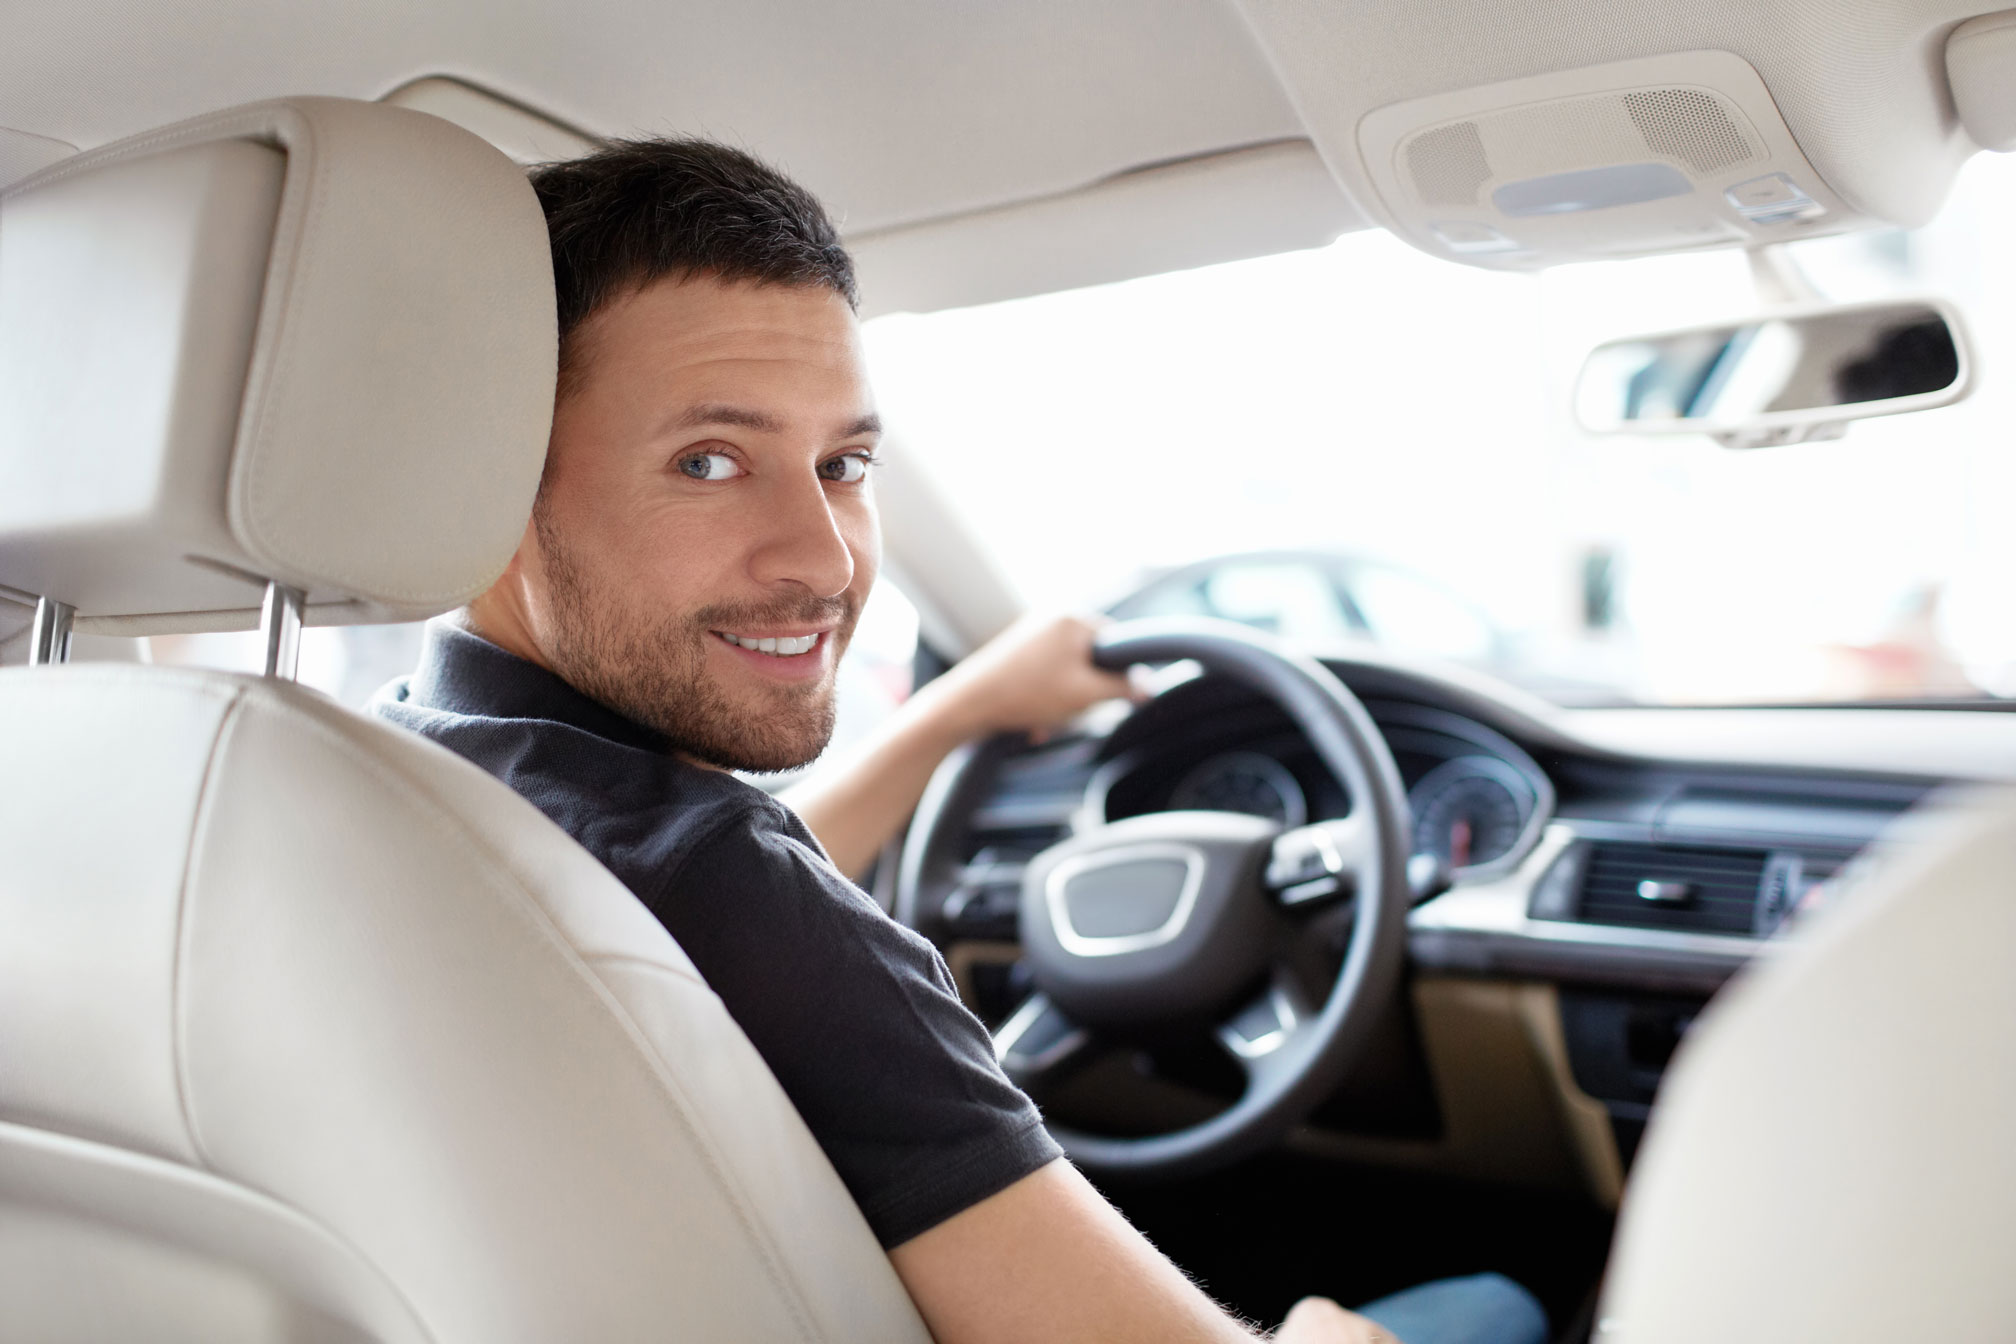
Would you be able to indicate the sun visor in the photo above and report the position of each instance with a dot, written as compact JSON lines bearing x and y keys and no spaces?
{"x":1654,"y":155}
{"x":1981,"y":66}
{"x":308,"y":341}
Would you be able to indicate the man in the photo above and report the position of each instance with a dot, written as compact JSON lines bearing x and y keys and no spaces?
{"x":703,"y":541}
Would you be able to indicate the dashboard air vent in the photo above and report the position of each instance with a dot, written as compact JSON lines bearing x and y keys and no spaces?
{"x":1673,"y":887}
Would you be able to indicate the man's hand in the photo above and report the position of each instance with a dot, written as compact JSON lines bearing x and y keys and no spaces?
{"x":1318,"y":1320}
{"x":1034,"y":676}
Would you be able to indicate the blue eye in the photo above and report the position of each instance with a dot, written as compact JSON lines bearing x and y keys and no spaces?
{"x":848,"y":469}
{"x":709,"y":467}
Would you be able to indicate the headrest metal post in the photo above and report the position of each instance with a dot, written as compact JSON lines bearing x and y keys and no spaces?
{"x":280,"y":622}
{"x":49,"y":640}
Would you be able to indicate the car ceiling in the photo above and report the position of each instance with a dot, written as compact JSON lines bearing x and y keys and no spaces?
{"x":894,"y":112}
{"x":1861,"y":83}
{"x":921,"y":121}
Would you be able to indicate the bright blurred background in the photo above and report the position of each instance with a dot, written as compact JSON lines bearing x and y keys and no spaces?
{"x":1391,"y":435}
{"x":1369,"y":401}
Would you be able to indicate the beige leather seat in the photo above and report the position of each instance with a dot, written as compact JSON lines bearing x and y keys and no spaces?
{"x":309,"y":1030}
{"x":1834,"y":1152}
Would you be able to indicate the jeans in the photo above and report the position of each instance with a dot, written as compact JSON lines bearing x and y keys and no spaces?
{"x":1480,"y":1309}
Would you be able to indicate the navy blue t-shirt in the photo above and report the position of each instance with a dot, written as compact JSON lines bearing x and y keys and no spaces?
{"x":855,"y":1015}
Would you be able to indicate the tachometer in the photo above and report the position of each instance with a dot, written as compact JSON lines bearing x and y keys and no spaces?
{"x":1471,"y":811}
{"x":1243,"y":781}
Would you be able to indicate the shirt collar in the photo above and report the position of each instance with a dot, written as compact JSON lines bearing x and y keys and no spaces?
{"x":463,"y":673}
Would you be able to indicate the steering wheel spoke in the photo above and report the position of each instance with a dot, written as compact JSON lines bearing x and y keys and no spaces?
{"x":1314,"y":864}
{"x":1261,"y":1034}
{"x":1039,"y":1044}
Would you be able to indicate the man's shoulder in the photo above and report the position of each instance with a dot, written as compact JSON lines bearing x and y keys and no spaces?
{"x":756,"y":838}
{"x":642,"y":813}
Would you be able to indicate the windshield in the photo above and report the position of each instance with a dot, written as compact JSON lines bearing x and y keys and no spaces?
{"x":1385,"y":442}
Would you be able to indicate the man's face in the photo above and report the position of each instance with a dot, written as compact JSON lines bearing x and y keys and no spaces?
{"x":706,"y":491}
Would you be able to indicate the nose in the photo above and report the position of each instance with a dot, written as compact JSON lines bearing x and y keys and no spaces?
{"x":801,"y":540}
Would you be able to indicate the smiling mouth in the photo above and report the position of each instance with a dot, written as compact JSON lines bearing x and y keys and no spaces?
{"x":789,"y":646}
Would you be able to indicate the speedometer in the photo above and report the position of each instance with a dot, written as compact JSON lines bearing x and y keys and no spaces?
{"x":1471,"y":811}
{"x":1243,"y":781}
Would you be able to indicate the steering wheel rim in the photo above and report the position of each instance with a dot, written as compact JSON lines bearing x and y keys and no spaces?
{"x":1303,"y":1053}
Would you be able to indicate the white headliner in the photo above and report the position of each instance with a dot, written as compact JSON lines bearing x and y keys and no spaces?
{"x":942,"y":112}
{"x":892,"y":110}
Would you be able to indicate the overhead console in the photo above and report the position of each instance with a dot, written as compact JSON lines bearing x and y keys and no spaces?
{"x":1574,"y":134}
{"x":1654,"y":155}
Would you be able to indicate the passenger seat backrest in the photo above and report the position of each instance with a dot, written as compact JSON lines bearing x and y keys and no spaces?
{"x":1833,"y":1156}
{"x":309,"y":1029}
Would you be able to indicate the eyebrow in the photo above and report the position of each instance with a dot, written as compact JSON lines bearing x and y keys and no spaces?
{"x":741,"y":417}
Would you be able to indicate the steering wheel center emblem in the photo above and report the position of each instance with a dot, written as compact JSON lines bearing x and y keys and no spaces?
{"x":1125,"y":899}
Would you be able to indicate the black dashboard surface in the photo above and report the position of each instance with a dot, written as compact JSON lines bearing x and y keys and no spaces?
{"x":1499,"y":793}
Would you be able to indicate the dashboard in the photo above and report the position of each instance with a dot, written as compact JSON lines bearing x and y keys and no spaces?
{"x":1544,"y":817}
{"x":1625,"y":862}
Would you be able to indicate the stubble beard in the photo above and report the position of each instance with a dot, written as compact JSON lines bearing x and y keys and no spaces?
{"x":652,"y":668}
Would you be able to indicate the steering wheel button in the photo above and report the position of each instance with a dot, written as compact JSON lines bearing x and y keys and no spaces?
{"x":1125,"y":900}
{"x":1314,"y":890}
{"x":1294,"y":868}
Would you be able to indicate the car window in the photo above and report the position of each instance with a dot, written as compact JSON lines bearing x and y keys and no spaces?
{"x":1367,"y":401}
{"x":348,"y":663}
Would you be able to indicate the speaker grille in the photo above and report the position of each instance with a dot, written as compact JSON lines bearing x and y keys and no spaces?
{"x":1689,"y":125}
{"x":1448,"y":164}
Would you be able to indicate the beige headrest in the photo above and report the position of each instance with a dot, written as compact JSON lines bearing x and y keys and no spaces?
{"x":309,"y":341}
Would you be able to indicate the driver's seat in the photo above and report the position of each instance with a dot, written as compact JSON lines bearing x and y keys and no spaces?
{"x":309,"y":1030}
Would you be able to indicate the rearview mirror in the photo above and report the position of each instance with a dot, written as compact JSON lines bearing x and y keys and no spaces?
{"x":1781,"y":377}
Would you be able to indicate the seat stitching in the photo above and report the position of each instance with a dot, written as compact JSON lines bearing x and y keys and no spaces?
{"x":179,"y":1021}
{"x":399,"y":1294}
{"x":649,"y":964}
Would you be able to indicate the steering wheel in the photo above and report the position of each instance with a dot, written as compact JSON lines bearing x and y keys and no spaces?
{"x":1176,"y":921}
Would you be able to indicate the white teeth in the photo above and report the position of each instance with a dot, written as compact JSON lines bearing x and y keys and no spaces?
{"x":782,"y":648}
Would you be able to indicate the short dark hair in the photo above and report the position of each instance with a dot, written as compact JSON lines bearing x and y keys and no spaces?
{"x":638,"y":211}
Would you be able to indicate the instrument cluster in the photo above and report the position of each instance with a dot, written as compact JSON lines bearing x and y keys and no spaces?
{"x":1478,"y":801}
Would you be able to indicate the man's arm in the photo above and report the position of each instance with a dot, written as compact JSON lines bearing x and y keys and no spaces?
{"x":1034,"y":675}
{"x":1049,"y":1259}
